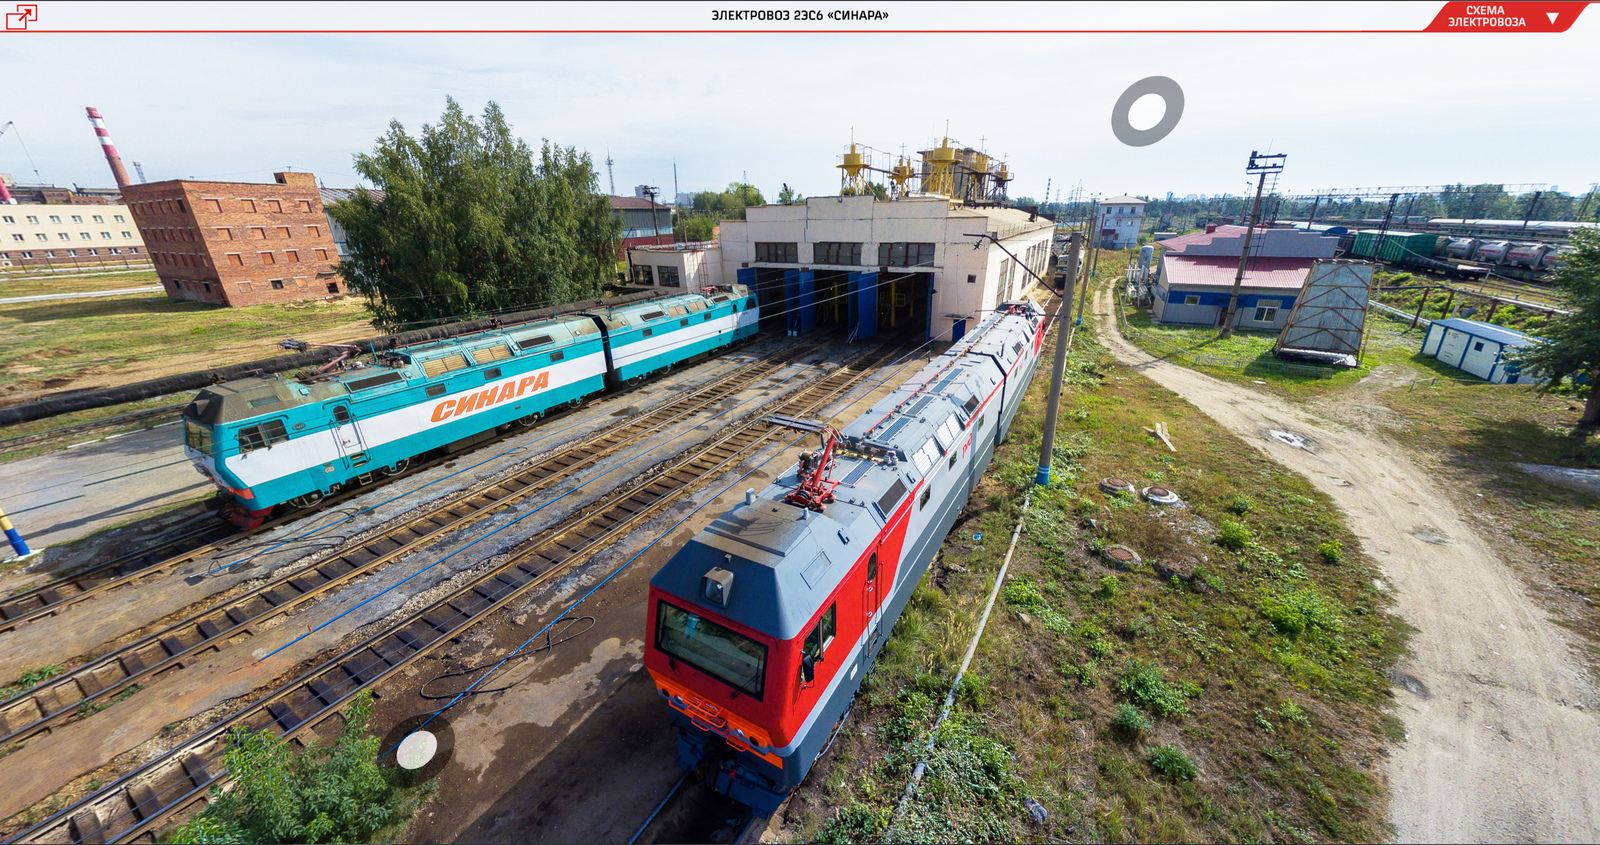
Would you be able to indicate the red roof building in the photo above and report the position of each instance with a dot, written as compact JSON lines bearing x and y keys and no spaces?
{"x":1195,"y":281}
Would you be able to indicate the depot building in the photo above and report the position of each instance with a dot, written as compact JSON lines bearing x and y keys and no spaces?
{"x":922,"y":263}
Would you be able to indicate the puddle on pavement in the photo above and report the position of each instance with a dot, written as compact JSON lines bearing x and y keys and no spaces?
{"x":1410,"y":682}
{"x":1429,"y":534}
{"x":1290,"y":438}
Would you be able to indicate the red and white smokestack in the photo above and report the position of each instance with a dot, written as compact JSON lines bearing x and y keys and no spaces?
{"x":118,"y":172}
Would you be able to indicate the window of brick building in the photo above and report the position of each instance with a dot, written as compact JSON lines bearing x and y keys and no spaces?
{"x":18,"y":238}
{"x":277,"y":284}
{"x":49,"y":253}
{"x":322,"y":255}
{"x":249,"y":205}
{"x":224,"y":234}
{"x":129,"y":236}
{"x":292,"y":256}
{"x":235,"y":259}
{"x":55,"y":218}
{"x":32,"y":219}
{"x":267,"y":258}
{"x":9,"y":219}
{"x":115,"y":251}
{"x":283,"y":232}
{"x":94,"y":252}
{"x":42,"y":236}
{"x":305,"y":206}
{"x":133,"y":250}
{"x":105,"y":236}
{"x":26,"y":254}
{"x":85,"y":236}
{"x":182,"y":207}
{"x":72,"y":253}
{"x":258,"y":232}
{"x":77,"y":218}
{"x":214,"y":206}
{"x":118,"y":218}
{"x":99,"y":219}
{"x":316,"y":231}
{"x":274,"y":206}
{"x":333,"y":287}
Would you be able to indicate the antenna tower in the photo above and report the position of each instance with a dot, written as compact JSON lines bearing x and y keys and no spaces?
{"x":609,"y":177}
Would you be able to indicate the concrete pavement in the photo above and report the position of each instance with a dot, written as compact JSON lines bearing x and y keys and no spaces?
{"x":59,"y":497}
{"x":48,"y":296}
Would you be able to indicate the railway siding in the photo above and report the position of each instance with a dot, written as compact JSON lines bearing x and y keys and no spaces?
{"x":124,"y":806}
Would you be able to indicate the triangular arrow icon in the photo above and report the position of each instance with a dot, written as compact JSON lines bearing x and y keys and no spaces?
{"x":1553,"y":16}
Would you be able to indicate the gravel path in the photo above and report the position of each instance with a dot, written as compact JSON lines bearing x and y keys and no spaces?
{"x":1502,"y":742}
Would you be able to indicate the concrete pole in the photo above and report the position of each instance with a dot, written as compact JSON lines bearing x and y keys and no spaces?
{"x":1047,"y":446}
{"x":1244,"y":256}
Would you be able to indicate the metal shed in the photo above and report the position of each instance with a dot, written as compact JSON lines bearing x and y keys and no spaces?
{"x":1478,"y":348}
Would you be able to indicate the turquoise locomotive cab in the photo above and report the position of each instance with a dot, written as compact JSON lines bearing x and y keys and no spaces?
{"x":274,"y":441}
{"x":650,"y":337}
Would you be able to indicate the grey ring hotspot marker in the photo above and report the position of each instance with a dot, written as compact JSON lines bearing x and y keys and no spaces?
{"x":416,"y":750}
{"x":1162,"y":87}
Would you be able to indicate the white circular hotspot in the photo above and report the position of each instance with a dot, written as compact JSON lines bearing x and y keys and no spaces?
{"x":416,"y":750}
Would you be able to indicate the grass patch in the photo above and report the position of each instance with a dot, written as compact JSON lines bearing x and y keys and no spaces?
{"x":105,"y":341}
{"x":1093,"y":668}
{"x":14,"y":284}
{"x":30,"y":678}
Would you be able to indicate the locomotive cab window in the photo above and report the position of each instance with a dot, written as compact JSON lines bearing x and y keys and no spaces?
{"x":262,"y":436}
{"x":197,"y":436}
{"x":434,"y":390}
{"x":724,"y":654}
{"x":341,"y":414}
{"x":927,"y":493}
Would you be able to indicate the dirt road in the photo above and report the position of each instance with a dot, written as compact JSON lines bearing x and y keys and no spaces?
{"x":1503,"y":743}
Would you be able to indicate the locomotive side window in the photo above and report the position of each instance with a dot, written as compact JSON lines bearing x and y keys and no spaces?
{"x":434,"y":390}
{"x":557,"y":356}
{"x":491,"y":374}
{"x":820,"y":638}
{"x":922,"y":502}
{"x":262,"y":436}
{"x":711,"y":648}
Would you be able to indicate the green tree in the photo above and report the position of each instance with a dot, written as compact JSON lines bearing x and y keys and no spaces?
{"x":333,"y":794}
{"x":1572,"y":341}
{"x":468,"y":220}
{"x":694,"y":227}
{"x":789,"y":196}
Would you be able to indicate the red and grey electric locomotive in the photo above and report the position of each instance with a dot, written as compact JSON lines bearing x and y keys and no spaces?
{"x":763,"y":626}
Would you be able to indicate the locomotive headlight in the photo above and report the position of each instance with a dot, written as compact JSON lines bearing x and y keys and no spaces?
{"x":716,"y":586}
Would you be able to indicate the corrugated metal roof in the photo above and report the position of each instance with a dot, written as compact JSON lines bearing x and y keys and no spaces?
{"x":1177,"y":244}
{"x":1123,"y":199}
{"x":1219,"y":270}
{"x":1488,"y":331}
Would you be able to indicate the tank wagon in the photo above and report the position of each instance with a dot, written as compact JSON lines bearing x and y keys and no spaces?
{"x":276,"y":442}
{"x":763,"y":626}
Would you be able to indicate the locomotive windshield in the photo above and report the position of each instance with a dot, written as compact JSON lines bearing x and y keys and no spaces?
{"x":197,"y":436}
{"x":712,"y":648}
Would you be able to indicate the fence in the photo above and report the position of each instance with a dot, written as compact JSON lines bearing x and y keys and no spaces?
{"x":1170,"y":351}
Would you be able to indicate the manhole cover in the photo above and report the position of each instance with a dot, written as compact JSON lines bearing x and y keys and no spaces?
{"x":1299,"y":441}
{"x":1161,"y":495}
{"x":1122,"y":557}
{"x":1115,"y":485}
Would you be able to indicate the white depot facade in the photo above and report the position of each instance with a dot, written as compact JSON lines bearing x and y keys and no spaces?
{"x":1119,"y":222}
{"x":876,"y":267}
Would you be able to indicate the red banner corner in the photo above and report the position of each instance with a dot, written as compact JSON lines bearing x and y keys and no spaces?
{"x":1534,"y":16}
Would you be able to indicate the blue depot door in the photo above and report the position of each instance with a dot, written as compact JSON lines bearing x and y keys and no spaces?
{"x":807,"y":303}
{"x":958,"y":331}
{"x":863,"y":301}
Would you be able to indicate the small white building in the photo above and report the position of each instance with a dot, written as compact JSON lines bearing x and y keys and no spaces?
{"x":1119,"y":222}
{"x":1478,"y":348}
{"x":880,"y":266}
{"x":689,"y":266}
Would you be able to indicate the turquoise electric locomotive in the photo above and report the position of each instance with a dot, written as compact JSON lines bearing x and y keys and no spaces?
{"x":275,"y":441}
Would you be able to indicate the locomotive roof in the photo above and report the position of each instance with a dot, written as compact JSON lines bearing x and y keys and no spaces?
{"x":787,"y":560}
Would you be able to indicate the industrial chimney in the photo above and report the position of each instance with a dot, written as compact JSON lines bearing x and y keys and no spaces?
{"x":118,"y":172}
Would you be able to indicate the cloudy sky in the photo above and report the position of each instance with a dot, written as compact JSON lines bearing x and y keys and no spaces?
{"x":1350,"y":109}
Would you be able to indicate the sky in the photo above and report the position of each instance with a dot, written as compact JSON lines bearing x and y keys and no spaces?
{"x":1349,"y":109}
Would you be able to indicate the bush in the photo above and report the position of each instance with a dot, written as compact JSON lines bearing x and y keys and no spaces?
{"x":1331,"y":551}
{"x":1301,"y":612}
{"x":1172,"y":762}
{"x":1241,"y":505}
{"x":1023,"y":593}
{"x":1110,"y":587}
{"x":1234,"y":536}
{"x":1130,"y":721}
{"x":1144,"y":686}
{"x":333,"y":794}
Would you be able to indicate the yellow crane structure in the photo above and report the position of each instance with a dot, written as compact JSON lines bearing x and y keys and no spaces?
{"x":951,"y":170}
{"x":940,"y":162}
{"x":853,"y":171}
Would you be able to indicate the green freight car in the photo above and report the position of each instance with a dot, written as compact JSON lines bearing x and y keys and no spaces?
{"x":1395,"y":247}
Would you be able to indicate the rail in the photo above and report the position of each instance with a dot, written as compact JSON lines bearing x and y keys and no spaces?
{"x":135,"y":805}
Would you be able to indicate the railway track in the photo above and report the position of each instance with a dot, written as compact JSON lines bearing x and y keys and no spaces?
{"x":76,"y":692}
{"x":135,"y":806}
{"x":59,"y":594}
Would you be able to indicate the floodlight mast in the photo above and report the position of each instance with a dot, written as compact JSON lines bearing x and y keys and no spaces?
{"x":1262,"y":166}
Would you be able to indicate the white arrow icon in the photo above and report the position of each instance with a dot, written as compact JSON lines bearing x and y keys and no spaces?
{"x":1553,"y":16}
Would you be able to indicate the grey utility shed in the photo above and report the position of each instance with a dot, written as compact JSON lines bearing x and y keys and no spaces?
{"x":1478,"y":348}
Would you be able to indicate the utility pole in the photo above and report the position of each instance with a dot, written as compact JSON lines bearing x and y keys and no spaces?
{"x":1058,"y":370}
{"x":655,"y":225}
{"x":1262,"y":166}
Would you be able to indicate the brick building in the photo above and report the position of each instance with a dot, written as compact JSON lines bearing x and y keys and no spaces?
{"x":643,"y":223}
{"x":238,"y":243}
{"x":58,"y":236}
